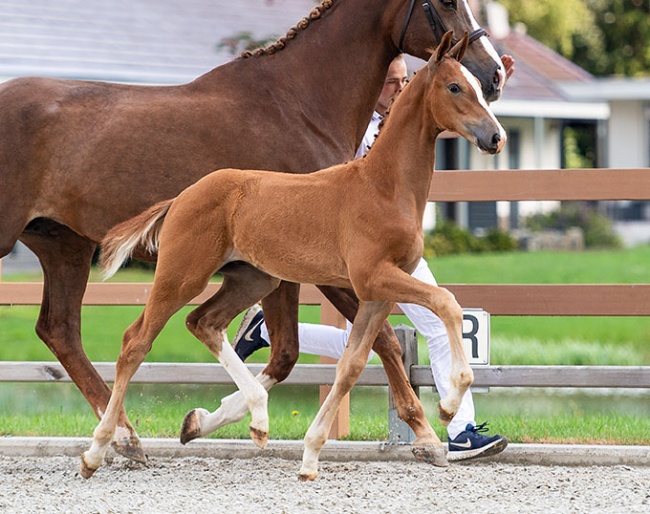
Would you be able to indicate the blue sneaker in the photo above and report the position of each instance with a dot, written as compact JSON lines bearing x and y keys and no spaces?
{"x":248,"y":338}
{"x":471,"y":444}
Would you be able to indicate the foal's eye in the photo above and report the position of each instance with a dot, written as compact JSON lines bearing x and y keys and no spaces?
{"x":454,"y":88}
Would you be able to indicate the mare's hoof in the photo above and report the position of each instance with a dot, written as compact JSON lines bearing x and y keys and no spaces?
{"x":131,"y":449}
{"x":444,"y":415}
{"x":435,"y":455}
{"x":192,"y":423}
{"x":84,"y":469}
{"x":259,"y":437}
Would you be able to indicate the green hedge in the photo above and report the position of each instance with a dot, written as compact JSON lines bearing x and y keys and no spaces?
{"x":597,"y":228}
{"x":448,"y":239}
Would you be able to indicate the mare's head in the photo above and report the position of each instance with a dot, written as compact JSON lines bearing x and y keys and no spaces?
{"x":455,"y":100}
{"x":426,"y":21}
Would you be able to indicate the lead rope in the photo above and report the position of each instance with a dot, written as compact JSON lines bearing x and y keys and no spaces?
{"x":406,"y":24}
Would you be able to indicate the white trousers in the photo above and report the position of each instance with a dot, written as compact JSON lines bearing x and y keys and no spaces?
{"x":330,"y":341}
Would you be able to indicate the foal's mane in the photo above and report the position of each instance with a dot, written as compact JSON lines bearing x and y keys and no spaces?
{"x":315,"y":14}
{"x":384,"y":118}
{"x":390,"y":107}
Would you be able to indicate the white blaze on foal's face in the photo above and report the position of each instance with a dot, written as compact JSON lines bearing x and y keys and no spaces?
{"x":476,"y":87}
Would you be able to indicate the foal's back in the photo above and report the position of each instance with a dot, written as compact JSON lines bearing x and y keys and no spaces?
{"x":291,"y":226}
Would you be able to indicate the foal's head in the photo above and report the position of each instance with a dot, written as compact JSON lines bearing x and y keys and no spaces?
{"x":456,"y":101}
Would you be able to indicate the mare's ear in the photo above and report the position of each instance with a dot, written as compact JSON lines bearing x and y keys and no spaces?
{"x":443,"y":47}
{"x":459,"y":48}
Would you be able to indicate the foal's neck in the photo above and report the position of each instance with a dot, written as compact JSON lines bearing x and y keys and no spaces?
{"x":401,"y":161}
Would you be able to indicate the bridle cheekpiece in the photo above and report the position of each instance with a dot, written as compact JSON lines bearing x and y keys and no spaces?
{"x":437,"y":25}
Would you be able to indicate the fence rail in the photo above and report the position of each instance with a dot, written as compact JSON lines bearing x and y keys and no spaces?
{"x":323,"y":374}
{"x":497,"y":299}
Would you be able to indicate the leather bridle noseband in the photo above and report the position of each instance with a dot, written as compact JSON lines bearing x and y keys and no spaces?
{"x":436,"y":24}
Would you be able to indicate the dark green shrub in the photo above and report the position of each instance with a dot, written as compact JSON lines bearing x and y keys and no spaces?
{"x":448,"y":238}
{"x":499,"y":241}
{"x":597,"y":228}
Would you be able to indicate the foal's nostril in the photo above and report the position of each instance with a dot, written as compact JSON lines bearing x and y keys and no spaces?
{"x":496,"y":139}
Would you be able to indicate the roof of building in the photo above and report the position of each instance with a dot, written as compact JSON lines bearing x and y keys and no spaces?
{"x":613,"y":89}
{"x":539,"y":69}
{"x":536,"y":87}
{"x":148,"y":41}
{"x":174,"y":41}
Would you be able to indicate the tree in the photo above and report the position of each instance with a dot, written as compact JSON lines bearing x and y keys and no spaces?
{"x":625,"y":28}
{"x":605,"y":37}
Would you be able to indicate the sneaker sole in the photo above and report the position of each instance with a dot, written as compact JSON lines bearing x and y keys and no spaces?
{"x":485,"y":451}
{"x":245,"y":322}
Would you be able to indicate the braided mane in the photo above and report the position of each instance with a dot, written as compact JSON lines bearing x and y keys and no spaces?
{"x":315,"y":14}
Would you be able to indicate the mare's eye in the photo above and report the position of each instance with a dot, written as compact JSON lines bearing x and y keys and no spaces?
{"x":454,"y":88}
{"x":448,"y":4}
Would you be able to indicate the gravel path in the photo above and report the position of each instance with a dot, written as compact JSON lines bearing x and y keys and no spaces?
{"x":270,"y":485}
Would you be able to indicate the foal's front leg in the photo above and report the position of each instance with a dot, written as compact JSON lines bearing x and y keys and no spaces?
{"x":366,"y":325}
{"x":400,"y":287}
{"x":427,"y":446}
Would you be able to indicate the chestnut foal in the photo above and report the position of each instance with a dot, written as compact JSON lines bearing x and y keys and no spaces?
{"x":357,"y":225}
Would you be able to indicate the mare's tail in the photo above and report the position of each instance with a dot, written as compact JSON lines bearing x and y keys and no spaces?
{"x":136,"y":235}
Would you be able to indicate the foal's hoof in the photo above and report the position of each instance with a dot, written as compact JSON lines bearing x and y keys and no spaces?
{"x":131,"y":449}
{"x":444,"y":415}
{"x":435,"y":455}
{"x":259,"y":437}
{"x":307,"y":477}
{"x":84,"y":469}
{"x":192,"y":423}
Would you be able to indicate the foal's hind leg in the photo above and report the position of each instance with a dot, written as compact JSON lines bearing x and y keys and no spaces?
{"x":243,"y":286}
{"x":65,"y":257}
{"x":163,"y":302}
{"x":185,"y":265}
{"x":281,"y":318}
{"x":427,"y":445}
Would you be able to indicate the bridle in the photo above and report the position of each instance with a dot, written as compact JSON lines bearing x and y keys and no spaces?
{"x":436,"y":24}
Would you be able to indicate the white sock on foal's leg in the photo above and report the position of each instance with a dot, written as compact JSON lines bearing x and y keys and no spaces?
{"x":232,"y":409}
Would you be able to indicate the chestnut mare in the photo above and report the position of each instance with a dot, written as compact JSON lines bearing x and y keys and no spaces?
{"x":79,"y":157}
{"x":355,"y":225}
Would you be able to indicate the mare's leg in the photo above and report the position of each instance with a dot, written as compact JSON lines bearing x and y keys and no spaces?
{"x":65,"y":257}
{"x":369,"y":319}
{"x":243,"y":286}
{"x":386,"y":281}
{"x":281,"y":316}
{"x":409,"y":407}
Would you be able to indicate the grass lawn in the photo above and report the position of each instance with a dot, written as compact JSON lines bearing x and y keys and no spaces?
{"x":528,"y":415}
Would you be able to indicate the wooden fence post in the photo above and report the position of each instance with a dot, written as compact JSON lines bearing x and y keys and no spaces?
{"x":341,"y":426}
{"x":398,"y":431}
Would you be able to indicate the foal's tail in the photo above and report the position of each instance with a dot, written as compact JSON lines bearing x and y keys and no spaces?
{"x":137,"y":235}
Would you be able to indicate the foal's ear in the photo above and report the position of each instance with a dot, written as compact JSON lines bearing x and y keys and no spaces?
{"x":459,"y":48}
{"x":443,"y":47}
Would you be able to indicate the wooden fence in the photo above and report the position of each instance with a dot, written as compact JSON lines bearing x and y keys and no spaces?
{"x":497,"y":299}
